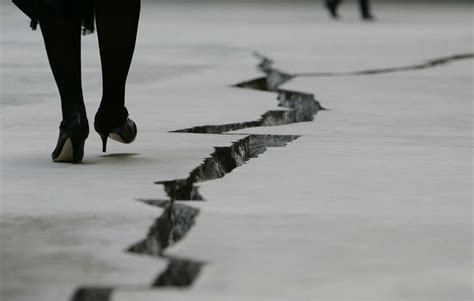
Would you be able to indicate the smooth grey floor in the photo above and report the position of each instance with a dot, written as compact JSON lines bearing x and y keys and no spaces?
{"x":373,"y":202}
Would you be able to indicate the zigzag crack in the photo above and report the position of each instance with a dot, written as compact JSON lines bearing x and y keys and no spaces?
{"x":299,"y":107}
{"x":221,"y":162}
{"x":172,"y":226}
{"x":168,"y":229}
{"x":271,"y":82}
{"x":93,"y":294}
{"x":179,"y":273}
{"x":178,"y":219}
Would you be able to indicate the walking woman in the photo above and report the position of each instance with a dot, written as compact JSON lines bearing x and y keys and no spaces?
{"x":61,"y":23}
{"x":365,"y":12}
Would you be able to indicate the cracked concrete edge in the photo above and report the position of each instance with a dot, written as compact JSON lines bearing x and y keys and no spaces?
{"x":296,"y":106}
{"x":221,"y":162}
{"x":432,"y":63}
{"x":177,"y":220}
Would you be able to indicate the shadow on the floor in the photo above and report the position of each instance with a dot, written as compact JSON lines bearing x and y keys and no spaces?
{"x":120,"y":155}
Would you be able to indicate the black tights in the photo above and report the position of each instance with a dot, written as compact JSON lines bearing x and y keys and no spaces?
{"x":117,"y":24}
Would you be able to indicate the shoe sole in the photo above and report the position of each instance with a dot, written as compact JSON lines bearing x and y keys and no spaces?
{"x":116,"y":137}
{"x":67,"y":153}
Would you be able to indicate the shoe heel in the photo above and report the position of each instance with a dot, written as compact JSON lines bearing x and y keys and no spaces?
{"x":77,"y":149}
{"x":104,"y":138}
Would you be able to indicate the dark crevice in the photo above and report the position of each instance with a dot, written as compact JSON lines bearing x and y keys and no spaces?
{"x":93,"y":294}
{"x":219,"y":129}
{"x":269,"y":83}
{"x":277,"y":117}
{"x":182,"y":189}
{"x":259,"y":83}
{"x":221,"y":162}
{"x":272,"y":80}
{"x":428,"y":64}
{"x":172,"y":226}
{"x":180,"y":273}
{"x":177,"y":220}
{"x":304,"y":104}
{"x":298,"y":107}
{"x":168,"y":229}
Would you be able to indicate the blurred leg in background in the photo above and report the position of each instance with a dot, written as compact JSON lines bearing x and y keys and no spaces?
{"x":365,"y":10}
{"x":332,"y":6}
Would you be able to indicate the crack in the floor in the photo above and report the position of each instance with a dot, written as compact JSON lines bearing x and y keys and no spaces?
{"x":221,"y":162}
{"x":179,"y":273}
{"x":426,"y":65}
{"x":174,"y":223}
{"x":177,"y":220}
{"x":298,"y":107}
{"x":172,"y":226}
{"x":272,"y":80}
{"x":93,"y":294}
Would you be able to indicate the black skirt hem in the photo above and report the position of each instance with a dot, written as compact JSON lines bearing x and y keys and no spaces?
{"x":83,"y":11}
{"x":87,"y":27}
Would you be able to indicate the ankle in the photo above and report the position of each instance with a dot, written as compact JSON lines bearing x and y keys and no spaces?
{"x":106,"y":118}
{"x":74,"y":117}
{"x":112,"y":110}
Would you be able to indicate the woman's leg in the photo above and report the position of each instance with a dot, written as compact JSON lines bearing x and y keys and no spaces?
{"x":365,"y":9}
{"x":62,"y":37}
{"x":332,"y":6}
{"x":117,"y":25}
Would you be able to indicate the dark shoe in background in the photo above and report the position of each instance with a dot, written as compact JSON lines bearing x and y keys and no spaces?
{"x":368,"y":17}
{"x":332,"y":5}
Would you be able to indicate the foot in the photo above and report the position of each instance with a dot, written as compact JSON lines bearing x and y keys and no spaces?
{"x":72,"y":135}
{"x":332,"y":7}
{"x":368,"y":17}
{"x":115,"y":125}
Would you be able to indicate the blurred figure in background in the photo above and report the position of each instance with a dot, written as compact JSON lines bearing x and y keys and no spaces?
{"x":366,"y":14}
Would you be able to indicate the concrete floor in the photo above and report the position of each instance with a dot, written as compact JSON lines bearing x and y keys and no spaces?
{"x":372,"y":202}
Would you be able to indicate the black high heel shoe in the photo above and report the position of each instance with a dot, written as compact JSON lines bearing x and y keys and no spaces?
{"x":117,"y":126}
{"x":73,"y":133}
{"x":368,"y":17}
